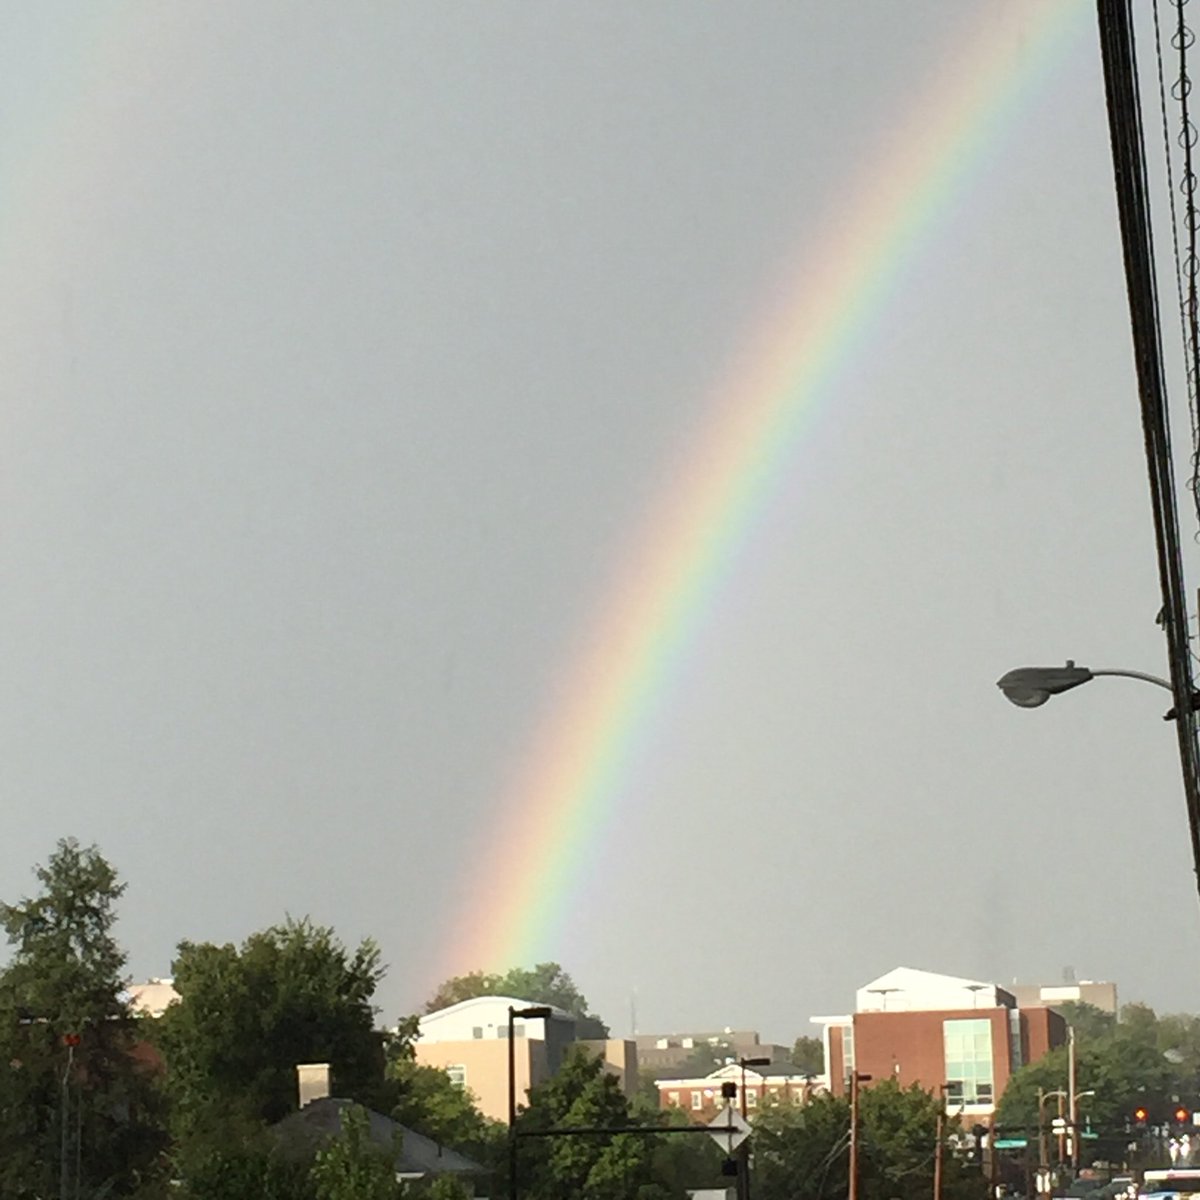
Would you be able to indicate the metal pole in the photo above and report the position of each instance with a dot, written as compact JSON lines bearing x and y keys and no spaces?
{"x":1043,"y":1165}
{"x":64,"y":1179}
{"x":512,"y":1108}
{"x":937,"y":1151}
{"x":1072,"y":1133}
{"x":852,"y":1193}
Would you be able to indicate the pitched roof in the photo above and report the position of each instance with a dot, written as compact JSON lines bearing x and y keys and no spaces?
{"x":320,"y":1121}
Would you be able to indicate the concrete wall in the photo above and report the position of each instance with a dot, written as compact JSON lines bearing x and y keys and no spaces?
{"x":485,"y":1064}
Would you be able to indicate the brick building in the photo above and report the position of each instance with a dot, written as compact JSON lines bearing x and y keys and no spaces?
{"x":774,"y":1083}
{"x":941,"y":1032}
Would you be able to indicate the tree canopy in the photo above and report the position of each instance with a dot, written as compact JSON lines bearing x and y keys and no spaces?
{"x":78,"y":1108}
{"x":808,"y":1055}
{"x":583,"y":1093}
{"x":290,"y":994}
{"x":1142,"y":1059}
{"x":546,"y":983}
{"x":801,"y":1152}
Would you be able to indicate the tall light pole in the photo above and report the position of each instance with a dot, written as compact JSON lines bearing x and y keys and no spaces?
{"x":744,"y":1174}
{"x":937,"y":1148}
{"x":1071,"y":1098}
{"x":749,"y":1062}
{"x":856,"y":1077}
{"x":1043,"y":1156}
{"x":537,"y":1010}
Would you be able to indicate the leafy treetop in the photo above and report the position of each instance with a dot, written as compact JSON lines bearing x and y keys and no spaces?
{"x":546,"y":983}
{"x":290,"y":994}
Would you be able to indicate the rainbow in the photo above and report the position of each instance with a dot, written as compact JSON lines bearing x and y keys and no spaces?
{"x":565,"y":793}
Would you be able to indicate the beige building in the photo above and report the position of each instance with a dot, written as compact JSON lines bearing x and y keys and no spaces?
{"x":1048,"y":995}
{"x":752,"y":1088}
{"x":152,"y":998}
{"x":469,"y":1041}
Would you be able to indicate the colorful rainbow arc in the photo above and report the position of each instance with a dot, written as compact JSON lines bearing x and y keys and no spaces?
{"x":584,"y":751}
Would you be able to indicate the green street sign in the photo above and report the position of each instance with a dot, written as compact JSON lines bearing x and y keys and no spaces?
{"x":1011,"y":1143}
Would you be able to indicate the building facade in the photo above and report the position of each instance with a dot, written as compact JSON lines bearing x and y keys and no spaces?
{"x":469,"y":1041}
{"x":667,"y":1051}
{"x":752,"y":1088}
{"x":961,"y":1037}
{"x":1046,"y":995}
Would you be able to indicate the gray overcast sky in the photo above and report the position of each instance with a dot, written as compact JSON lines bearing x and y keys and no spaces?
{"x":345,"y":348}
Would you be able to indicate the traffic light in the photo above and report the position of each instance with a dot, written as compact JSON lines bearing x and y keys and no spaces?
{"x":1141,"y":1116}
{"x":1181,"y":1115}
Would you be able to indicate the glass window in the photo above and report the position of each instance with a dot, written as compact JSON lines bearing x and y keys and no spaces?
{"x":458,"y":1075}
{"x":969,"y":1072}
{"x":697,"y":1100}
{"x":477,"y":1031}
{"x":673,"y":1098}
{"x":751,"y":1098}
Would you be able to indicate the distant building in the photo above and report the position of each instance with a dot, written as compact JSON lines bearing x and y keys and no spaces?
{"x":776,"y":1083}
{"x":942,"y":1032}
{"x":320,"y":1119}
{"x":469,"y":1041}
{"x":152,"y":998}
{"x":666,"y":1051}
{"x":1047,"y":995}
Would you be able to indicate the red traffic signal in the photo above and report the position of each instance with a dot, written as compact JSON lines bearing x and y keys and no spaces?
{"x":1141,"y":1114}
{"x":1181,"y":1116}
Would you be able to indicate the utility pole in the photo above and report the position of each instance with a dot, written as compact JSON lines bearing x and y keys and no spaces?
{"x":937,"y":1151}
{"x":855,"y":1080}
{"x":1072,"y":1103}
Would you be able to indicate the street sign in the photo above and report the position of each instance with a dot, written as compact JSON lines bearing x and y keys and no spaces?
{"x":729,"y":1129}
{"x":1011,"y":1143}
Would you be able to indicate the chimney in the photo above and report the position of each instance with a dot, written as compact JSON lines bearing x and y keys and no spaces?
{"x":313,"y":1081}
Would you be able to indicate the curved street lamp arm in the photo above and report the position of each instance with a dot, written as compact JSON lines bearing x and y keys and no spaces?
{"x":1162,"y":683}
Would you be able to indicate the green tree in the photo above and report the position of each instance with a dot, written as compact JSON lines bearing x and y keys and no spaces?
{"x":252,"y":1168}
{"x":808,"y":1055}
{"x":802,"y":1152}
{"x":1123,"y":1066}
{"x":352,"y":1167}
{"x":546,"y":983}
{"x":1088,"y":1021}
{"x":424,"y":1098}
{"x":620,"y":1167}
{"x":682,"y":1162}
{"x":291,"y":994}
{"x":78,"y":1108}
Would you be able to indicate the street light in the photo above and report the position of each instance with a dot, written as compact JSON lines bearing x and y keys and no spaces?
{"x":537,"y":1010}
{"x":883,"y":993}
{"x":1043,"y":1096}
{"x":856,"y":1077}
{"x":750,"y":1062}
{"x":1031,"y":687}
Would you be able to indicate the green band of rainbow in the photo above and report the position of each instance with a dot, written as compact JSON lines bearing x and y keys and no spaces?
{"x":563,"y":798}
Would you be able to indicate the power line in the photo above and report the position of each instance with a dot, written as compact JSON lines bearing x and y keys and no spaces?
{"x":1137,"y":243}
